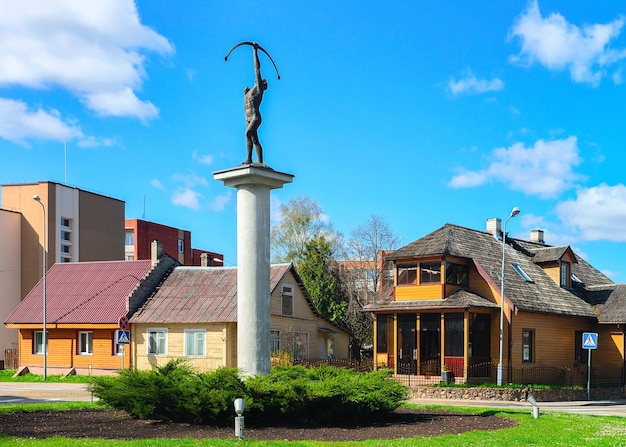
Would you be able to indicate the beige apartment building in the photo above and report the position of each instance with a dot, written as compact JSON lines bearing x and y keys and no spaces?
{"x":79,"y":226}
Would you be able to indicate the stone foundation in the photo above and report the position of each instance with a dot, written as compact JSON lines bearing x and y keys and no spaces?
{"x":517,"y":394}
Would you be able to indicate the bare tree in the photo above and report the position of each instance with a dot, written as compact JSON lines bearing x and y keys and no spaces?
{"x":361,"y":275}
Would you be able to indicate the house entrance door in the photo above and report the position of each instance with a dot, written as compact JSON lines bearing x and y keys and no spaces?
{"x":430,"y":344}
{"x":407,"y":342}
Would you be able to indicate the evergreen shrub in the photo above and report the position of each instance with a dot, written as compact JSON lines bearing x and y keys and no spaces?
{"x":289,"y":395}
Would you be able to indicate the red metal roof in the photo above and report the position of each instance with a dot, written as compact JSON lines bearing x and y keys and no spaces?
{"x":198,"y":295}
{"x":82,"y":292}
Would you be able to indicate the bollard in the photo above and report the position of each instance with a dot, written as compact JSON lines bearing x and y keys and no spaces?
{"x":239,"y":424}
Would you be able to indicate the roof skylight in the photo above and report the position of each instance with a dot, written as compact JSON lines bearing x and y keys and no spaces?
{"x":520,"y":271}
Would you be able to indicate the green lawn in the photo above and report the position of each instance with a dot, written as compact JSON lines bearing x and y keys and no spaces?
{"x":551,"y":429}
{"x":6,"y":375}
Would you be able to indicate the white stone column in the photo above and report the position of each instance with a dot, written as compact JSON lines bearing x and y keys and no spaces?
{"x":253,"y":183}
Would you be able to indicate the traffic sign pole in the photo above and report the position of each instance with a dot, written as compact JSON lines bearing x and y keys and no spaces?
{"x":589,"y":374}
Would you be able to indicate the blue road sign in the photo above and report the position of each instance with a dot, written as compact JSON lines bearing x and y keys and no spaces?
{"x":122,"y":337}
{"x":590,"y":340}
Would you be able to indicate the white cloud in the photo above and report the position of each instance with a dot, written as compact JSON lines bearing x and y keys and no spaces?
{"x":544,"y":170}
{"x":188,"y":198}
{"x":18,"y":123}
{"x":202,"y":159}
{"x":156,"y":183}
{"x":220,"y":202}
{"x":94,"y":49}
{"x":470,"y":84}
{"x":559,"y":45}
{"x":598,"y":213}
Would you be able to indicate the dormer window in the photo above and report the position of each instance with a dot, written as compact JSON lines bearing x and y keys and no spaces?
{"x":520,"y":271}
{"x":457,"y":274}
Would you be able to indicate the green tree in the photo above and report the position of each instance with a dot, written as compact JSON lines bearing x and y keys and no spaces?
{"x":301,"y":220}
{"x":321,"y":283}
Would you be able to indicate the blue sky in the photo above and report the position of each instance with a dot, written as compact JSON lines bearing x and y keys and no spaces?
{"x":422,"y":112}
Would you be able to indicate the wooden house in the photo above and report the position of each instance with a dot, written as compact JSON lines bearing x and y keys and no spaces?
{"x":84,"y":304}
{"x":193,"y":316}
{"x":445,"y":306}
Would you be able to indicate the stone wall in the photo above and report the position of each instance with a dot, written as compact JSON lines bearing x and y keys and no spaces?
{"x":517,"y":394}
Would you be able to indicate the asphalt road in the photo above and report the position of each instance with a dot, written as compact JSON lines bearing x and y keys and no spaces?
{"x":26,"y":392}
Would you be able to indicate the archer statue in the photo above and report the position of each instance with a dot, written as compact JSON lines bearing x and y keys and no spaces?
{"x":252,"y":102}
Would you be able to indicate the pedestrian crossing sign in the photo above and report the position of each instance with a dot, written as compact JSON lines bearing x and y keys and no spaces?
{"x":122,"y":337}
{"x":590,"y":340}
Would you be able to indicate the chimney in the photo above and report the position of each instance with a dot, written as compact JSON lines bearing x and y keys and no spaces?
{"x":206,"y":260}
{"x":537,"y":236}
{"x":156,"y":252}
{"x":494,"y":226}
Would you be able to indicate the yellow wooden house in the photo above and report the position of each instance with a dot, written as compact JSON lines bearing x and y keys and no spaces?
{"x":193,"y":316}
{"x":444,"y":311}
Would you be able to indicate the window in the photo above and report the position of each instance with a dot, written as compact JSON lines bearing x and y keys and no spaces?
{"x":384,"y":333}
{"x":129,"y":238}
{"x":454,"y":335}
{"x":66,"y":236}
{"x":274,"y":340}
{"x":286,"y":300}
{"x":157,"y":341}
{"x":457,"y":274}
{"x":65,"y":222}
{"x":181,"y":246}
{"x":407,"y":274}
{"x":65,"y":259}
{"x":430,"y":272}
{"x":38,"y":341}
{"x":565,"y":274}
{"x":118,"y":349}
{"x":480,"y":335}
{"x":65,"y":249}
{"x":85,"y":343}
{"x":301,"y":345}
{"x":520,"y":271}
{"x":528,"y":345}
{"x":195,"y":342}
{"x":575,"y":279}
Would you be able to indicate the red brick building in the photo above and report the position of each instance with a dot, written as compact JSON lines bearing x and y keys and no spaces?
{"x":176,"y":243}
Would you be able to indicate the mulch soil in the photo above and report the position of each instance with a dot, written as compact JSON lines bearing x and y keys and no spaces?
{"x":105,"y":424}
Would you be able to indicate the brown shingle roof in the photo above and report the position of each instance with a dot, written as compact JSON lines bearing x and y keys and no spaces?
{"x":548,"y":254}
{"x":199,"y":295}
{"x":82,"y":292}
{"x":541,"y":295}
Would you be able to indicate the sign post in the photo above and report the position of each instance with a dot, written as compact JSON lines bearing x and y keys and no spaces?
{"x":122,"y":337}
{"x":590,"y":341}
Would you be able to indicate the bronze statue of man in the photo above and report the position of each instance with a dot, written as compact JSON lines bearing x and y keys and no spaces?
{"x":251,"y":104}
{"x":252,"y":101}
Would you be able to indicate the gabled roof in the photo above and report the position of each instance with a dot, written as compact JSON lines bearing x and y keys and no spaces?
{"x":550,"y":254}
{"x":82,"y":293}
{"x":541,"y":295}
{"x":202,"y":295}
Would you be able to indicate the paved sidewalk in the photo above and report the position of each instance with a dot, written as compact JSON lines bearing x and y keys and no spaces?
{"x":25,"y":392}
{"x":596,"y":407}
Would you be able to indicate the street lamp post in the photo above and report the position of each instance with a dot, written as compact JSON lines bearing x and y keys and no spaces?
{"x":44,"y":338}
{"x":514,"y":213}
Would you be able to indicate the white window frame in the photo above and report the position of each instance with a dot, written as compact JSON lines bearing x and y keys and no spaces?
{"x":161,"y":334}
{"x":189,"y":349}
{"x":38,"y":342}
{"x":181,"y":246}
{"x":287,"y":290}
{"x":85,"y":343}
